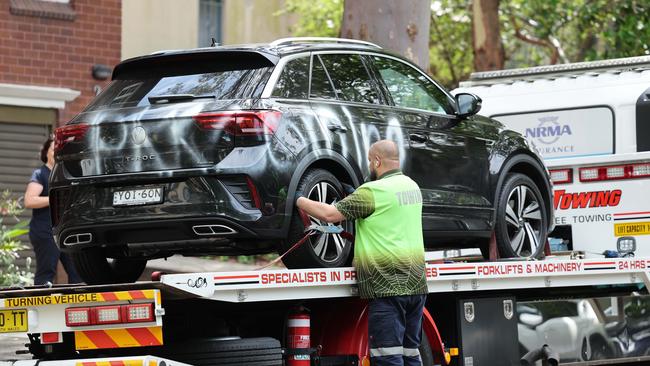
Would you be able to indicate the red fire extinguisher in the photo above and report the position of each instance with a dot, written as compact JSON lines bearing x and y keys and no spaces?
{"x":298,"y":337}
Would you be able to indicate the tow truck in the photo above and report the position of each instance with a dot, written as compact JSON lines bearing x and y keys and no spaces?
{"x":302,"y":317}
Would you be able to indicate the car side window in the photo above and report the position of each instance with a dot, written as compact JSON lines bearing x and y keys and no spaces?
{"x":350,"y":78}
{"x":321,"y":86}
{"x":293,"y":82}
{"x":409,"y":88}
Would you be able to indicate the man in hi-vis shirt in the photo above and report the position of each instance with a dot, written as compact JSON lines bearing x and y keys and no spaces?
{"x":388,"y":254}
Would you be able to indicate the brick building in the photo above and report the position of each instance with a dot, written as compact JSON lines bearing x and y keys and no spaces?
{"x":48,"y":51}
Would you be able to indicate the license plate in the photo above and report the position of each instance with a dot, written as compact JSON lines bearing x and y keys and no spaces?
{"x":13,"y":321}
{"x":132,"y":197}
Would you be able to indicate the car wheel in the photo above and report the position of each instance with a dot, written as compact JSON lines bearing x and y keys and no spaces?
{"x":95,"y":269}
{"x":521,"y":220}
{"x":320,"y":250}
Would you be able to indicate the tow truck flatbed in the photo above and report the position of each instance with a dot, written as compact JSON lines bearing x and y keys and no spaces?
{"x":258,"y":298}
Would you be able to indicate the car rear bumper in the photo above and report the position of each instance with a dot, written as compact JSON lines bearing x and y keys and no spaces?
{"x":189,"y":235}
{"x":197,"y":215}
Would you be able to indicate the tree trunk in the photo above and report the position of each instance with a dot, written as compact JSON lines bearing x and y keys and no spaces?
{"x":488,"y":48}
{"x":400,"y":26}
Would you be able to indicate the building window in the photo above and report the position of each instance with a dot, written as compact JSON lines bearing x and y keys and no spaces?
{"x":209,"y":22}
{"x":54,"y":9}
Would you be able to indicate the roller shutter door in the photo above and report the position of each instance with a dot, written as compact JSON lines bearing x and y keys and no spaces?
{"x":20,"y":146}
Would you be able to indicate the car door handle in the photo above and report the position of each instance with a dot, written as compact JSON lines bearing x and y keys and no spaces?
{"x":337,"y":128}
{"x":418,"y":137}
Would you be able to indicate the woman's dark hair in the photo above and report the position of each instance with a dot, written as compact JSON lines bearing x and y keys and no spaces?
{"x":46,"y":146}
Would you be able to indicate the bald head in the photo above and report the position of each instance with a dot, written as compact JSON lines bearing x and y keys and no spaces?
{"x":383,"y":156}
{"x":385,"y":150}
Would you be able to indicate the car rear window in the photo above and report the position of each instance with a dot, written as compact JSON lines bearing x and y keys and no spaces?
{"x":133,"y":89}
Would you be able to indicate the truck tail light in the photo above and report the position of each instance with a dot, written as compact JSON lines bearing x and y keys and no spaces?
{"x":69,"y":133}
{"x":75,"y":317}
{"x":113,"y":314}
{"x":138,"y":313}
{"x":614,"y":172}
{"x":108,"y":314}
{"x":562,"y":176}
{"x":241,"y":123}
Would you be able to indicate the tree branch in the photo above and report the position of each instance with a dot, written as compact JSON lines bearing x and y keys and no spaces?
{"x":445,"y":51}
{"x":555,"y":53}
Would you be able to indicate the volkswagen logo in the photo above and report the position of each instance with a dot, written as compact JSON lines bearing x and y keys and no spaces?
{"x":139,"y":135}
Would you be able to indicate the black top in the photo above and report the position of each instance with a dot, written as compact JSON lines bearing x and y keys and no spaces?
{"x":41,"y":225}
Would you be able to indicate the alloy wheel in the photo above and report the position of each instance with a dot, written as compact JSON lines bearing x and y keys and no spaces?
{"x":524,"y":221}
{"x":328,"y":247}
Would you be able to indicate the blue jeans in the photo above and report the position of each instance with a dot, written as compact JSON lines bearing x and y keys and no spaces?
{"x":47,"y":258}
{"x":395,"y":330}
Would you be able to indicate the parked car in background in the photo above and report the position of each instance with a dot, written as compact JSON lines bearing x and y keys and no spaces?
{"x":202,"y":151}
{"x":570,"y":327}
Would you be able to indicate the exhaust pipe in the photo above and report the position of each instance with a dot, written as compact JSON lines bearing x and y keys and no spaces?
{"x":213,"y":230}
{"x":545,"y":354}
{"x":76,"y":239}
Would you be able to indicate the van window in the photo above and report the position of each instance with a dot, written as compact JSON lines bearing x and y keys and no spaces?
{"x":565,"y":133}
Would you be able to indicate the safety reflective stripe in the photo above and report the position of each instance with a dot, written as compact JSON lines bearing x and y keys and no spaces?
{"x":411,"y":352}
{"x":387,"y":351}
{"x":393,"y":351}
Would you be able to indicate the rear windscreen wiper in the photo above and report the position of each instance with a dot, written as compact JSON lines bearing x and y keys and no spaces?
{"x":170,"y":98}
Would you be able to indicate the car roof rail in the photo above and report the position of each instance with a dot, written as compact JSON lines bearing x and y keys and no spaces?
{"x":293,"y":40}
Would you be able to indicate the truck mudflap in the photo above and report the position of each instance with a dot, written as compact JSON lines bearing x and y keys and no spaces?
{"x":112,"y":361}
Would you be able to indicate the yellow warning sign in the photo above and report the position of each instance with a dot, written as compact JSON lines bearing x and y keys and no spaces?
{"x":632,"y":228}
{"x":53,"y":299}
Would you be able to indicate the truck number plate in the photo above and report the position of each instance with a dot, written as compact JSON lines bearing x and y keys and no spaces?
{"x":132,"y":197}
{"x":13,"y":321}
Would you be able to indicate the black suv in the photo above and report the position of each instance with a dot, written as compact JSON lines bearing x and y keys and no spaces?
{"x":200,"y":152}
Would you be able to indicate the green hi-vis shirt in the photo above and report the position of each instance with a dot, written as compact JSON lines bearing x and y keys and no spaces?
{"x":388,"y":246}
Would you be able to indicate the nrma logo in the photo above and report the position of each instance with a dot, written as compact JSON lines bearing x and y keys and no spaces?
{"x":548,"y":131}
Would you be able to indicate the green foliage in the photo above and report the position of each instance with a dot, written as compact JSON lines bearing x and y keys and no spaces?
{"x":534,"y":32}
{"x":450,"y":47}
{"x":581,"y":30}
{"x":10,"y":274}
{"x":316,"y":18}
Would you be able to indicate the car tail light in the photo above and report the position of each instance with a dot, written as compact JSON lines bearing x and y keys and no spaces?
{"x":614,"y":172}
{"x":562,"y":176}
{"x":241,"y":123}
{"x":138,"y":313}
{"x":69,"y":133}
{"x":75,"y":317}
{"x":108,"y":314}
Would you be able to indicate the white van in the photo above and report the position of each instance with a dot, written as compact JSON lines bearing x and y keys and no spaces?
{"x":590,"y":121}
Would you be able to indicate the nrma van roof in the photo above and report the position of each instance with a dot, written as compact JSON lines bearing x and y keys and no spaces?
{"x":618,"y":65}
{"x":620,"y":85}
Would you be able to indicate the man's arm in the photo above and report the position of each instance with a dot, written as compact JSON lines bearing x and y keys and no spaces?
{"x":360,"y":204}
{"x":322,"y":211}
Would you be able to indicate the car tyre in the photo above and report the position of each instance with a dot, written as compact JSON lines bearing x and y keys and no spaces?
{"x":320,"y":250}
{"x":522,"y":223}
{"x":95,"y":269}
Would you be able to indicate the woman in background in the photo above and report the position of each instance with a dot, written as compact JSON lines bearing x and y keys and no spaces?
{"x":40,"y":227}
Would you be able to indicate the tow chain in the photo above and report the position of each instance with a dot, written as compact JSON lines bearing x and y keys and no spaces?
{"x":313,"y":229}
